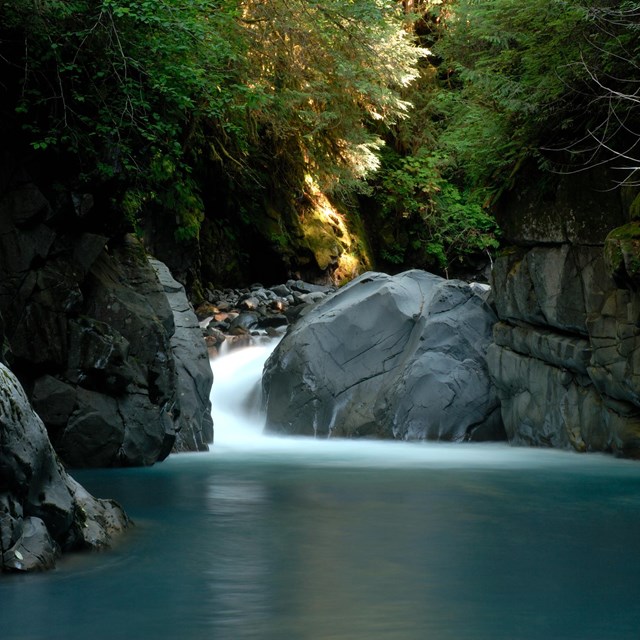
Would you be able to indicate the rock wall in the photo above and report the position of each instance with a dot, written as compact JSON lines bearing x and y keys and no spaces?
{"x":192,"y":409}
{"x":566,"y":352}
{"x":117,"y":372}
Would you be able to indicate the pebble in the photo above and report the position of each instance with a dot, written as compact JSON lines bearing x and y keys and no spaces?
{"x":235,"y":316}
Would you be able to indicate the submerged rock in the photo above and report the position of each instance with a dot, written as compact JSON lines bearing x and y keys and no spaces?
{"x":387,"y":356}
{"x":43,"y":511}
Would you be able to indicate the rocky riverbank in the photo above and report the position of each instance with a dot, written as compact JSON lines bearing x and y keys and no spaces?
{"x":232,"y":317}
{"x":101,"y":341}
{"x":43,"y":511}
{"x":103,"y":344}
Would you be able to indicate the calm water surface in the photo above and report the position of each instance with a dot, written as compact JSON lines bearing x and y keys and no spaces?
{"x":267,"y":538}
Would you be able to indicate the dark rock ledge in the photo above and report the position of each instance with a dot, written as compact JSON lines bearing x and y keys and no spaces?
{"x":43,"y":511}
{"x":97,"y":337}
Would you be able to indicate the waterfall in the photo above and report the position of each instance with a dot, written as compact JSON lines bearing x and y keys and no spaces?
{"x":236,"y":395}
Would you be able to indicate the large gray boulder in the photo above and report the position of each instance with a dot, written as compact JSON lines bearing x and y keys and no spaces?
{"x":43,"y":511}
{"x":387,"y":356}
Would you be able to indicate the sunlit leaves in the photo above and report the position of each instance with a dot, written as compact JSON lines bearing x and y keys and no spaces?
{"x":119,"y":82}
{"x":325,"y":68}
{"x":556,"y":75}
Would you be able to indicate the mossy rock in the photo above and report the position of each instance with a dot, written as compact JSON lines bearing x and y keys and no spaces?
{"x":622,"y":255}
{"x":309,"y":236}
{"x":634,"y":208}
{"x":323,"y":243}
{"x":278,"y":230}
{"x":509,"y":250}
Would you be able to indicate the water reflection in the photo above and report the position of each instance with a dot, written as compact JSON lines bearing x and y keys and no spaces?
{"x":260,"y":549}
{"x":239,"y":568}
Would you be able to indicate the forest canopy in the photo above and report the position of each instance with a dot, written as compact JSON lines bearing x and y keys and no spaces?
{"x":508,"y":85}
{"x":142,"y":91}
{"x":432,"y":107}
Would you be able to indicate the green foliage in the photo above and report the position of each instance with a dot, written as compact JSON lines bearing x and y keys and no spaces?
{"x":123,"y":86}
{"x":463,"y":227}
{"x":393,"y":253}
{"x":151,"y":98}
{"x":444,"y":224}
{"x":512,"y":64}
{"x":508,"y":84}
{"x":145,"y":93}
{"x":407,"y":184}
{"x":548,"y":80}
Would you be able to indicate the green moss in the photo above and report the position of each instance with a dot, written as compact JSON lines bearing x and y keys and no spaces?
{"x":508,"y":251}
{"x":337,"y":238}
{"x":622,"y":253}
{"x":314,"y":234}
{"x":630,"y":231}
{"x":359,"y":232}
{"x":634,"y":208}
{"x":613,"y":257}
{"x":278,"y":230}
{"x":321,"y":241}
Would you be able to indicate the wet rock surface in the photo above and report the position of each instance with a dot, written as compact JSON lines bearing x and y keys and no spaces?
{"x":43,"y":511}
{"x":192,"y":406}
{"x":387,"y":356}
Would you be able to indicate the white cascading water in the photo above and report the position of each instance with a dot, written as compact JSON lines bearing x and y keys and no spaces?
{"x":236,"y":395}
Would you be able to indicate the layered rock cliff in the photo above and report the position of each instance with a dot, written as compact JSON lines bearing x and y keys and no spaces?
{"x":566,"y":357}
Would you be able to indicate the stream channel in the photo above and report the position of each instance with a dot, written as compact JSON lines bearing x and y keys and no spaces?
{"x":299,"y":539}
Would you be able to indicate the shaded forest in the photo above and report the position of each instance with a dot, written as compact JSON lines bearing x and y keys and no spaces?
{"x":246,"y":139}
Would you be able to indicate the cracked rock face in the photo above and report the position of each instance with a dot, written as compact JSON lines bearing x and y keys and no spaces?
{"x":387,"y":356}
{"x":566,"y":358}
{"x":192,"y":408}
{"x":107,"y":348}
{"x":43,"y":511}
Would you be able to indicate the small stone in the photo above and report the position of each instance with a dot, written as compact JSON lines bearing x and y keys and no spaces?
{"x":250,"y":304}
{"x":281,"y":290}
